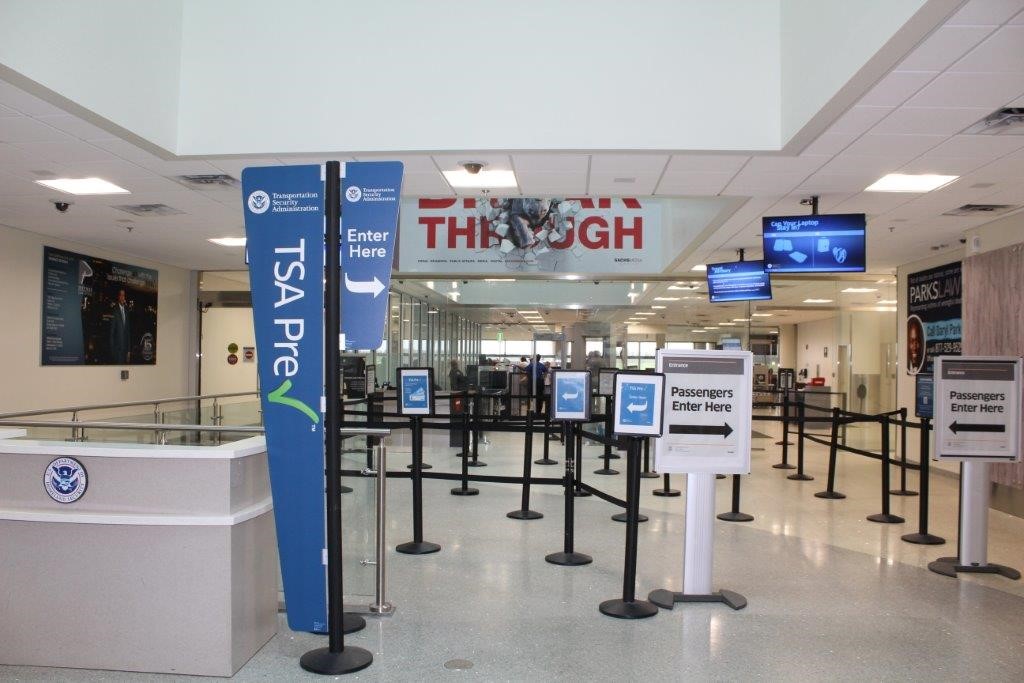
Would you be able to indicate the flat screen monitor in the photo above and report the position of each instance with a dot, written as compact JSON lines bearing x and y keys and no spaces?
{"x":738,"y":281}
{"x":826,"y":243}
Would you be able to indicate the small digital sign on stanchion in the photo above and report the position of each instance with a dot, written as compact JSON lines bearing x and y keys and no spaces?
{"x":708,"y":402}
{"x":570,"y":404}
{"x":639,"y":413}
{"x":416,"y":399}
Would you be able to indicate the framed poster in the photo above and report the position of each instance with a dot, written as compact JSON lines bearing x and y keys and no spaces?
{"x":934,"y":326}
{"x":96,"y":311}
{"x":570,"y":395}
{"x":415,"y":391}
{"x":639,"y":409}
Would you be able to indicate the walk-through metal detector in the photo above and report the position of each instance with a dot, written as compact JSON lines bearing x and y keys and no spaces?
{"x":559,"y":354}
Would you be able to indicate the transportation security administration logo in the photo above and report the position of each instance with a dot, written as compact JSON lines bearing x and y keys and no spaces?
{"x":353,"y":194}
{"x":65,"y":480}
{"x":259,"y":201}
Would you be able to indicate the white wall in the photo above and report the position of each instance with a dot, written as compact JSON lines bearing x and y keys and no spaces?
{"x":27,"y":385}
{"x":812,"y":338}
{"x":222,"y":326}
{"x":787,"y":346}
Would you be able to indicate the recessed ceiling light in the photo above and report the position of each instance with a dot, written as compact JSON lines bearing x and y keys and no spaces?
{"x":485,"y":178}
{"x":887,"y":302}
{"x":727,"y":324}
{"x":82,"y":186}
{"x":699,"y":266}
{"x":499,"y":279}
{"x":228,"y":241}
{"x":571,"y":277}
{"x":527,"y":312}
{"x":817,"y":301}
{"x":903,"y":182}
{"x":666,"y":298}
{"x":645,"y":313}
{"x":741,"y":320}
{"x":761,"y":315}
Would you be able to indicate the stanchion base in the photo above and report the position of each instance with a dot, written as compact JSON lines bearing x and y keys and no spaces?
{"x":649,"y":475}
{"x":350,"y":623}
{"x":524,"y":514}
{"x":735,"y":517}
{"x":323,"y":661}
{"x":834,"y":495}
{"x":613,"y":456}
{"x":902,"y":492}
{"x":923,"y":539}
{"x":569,"y":559}
{"x":420,"y":548}
{"x":459,"y":491}
{"x":783,"y":443}
{"x":720,"y":476}
{"x":620,"y":609}
{"x":784,"y":466}
{"x":424,"y":466}
{"x":800,"y":477}
{"x":606,"y":470}
{"x":579,"y":493}
{"x":949,"y":566}
{"x":478,"y":463}
{"x":345,"y":489}
{"x":666,"y":599}
{"x":886,"y":519}
{"x":545,"y":461}
{"x":621,"y":517}
{"x":667,"y":493}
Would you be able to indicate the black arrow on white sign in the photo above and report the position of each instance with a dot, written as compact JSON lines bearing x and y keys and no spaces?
{"x":958,"y":427}
{"x":723,"y":430}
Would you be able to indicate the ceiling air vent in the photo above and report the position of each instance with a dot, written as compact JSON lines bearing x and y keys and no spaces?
{"x":149,"y":209}
{"x":211,"y":181}
{"x":987,"y":209}
{"x":1006,"y":121}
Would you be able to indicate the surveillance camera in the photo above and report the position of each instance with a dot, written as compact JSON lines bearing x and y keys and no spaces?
{"x":62,"y":207}
{"x":963,"y":240}
{"x":465,"y":282}
{"x":473,"y":167}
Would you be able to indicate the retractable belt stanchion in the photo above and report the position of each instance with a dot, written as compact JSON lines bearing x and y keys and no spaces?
{"x":734,"y":515}
{"x":833,"y":448}
{"x":417,"y":546}
{"x":569,"y":557}
{"x":464,"y":489}
{"x":628,"y":607}
{"x":646,"y":473}
{"x":785,"y":443}
{"x":609,"y":426}
{"x":546,"y":460}
{"x":341,"y":418}
{"x":801,"y":415}
{"x":885,"y":517}
{"x":922,"y":537}
{"x":903,"y":490}
{"x":524,"y":511}
{"x":666,"y":489}
{"x":607,"y":469}
{"x":574,"y":434}
{"x":624,"y":516}
{"x":475,"y":462}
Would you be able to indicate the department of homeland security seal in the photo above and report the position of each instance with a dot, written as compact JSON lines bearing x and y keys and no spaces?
{"x":65,"y":480}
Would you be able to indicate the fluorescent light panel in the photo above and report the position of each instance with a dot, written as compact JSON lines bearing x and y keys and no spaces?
{"x":666,"y":298}
{"x":82,"y":186}
{"x":859,"y":290}
{"x":485,"y":178}
{"x":228,"y":241}
{"x":903,"y":182}
{"x":817,"y":301}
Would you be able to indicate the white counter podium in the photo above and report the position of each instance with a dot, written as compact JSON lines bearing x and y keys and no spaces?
{"x":166,"y":564}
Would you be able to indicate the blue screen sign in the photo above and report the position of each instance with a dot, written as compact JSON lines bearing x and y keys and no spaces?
{"x":924,"y":390}
{"x":814,"y":244}
{"x":570,"y":392}
{"x":415,"y":391}
{"x":637,"y":404}
{"x":738,"y":281}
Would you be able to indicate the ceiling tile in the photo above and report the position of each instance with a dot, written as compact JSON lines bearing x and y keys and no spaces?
{"x":986,"y":90}
{"x":233,"y":167}
{"x":944,"y":47}
{"x":542,"y":184}
{"x":830,"y":143}
{"x":1017,"y":20}
{"x":941,"y":165}
{"x":25,"y":129}
{"x":607,"y":187}
{"x":987,"y":147}
{"x":1002,"y":51}
{"x":684,"y":183}
{"x":758,"y":184}
{"x":72,"y":125}
{"x":986,"y":12}
{"x":859,"y":120}
{"x":894,"y":89}
{"x":413,"y":163}
{"x":899,"y":148}
{"x":69,"y":152}
{"x":627,"y":164}
{"x":7,"y":111}
{"x":551,"y":163}
{"x":425,"y":185}
{"x":13,"y":186}
{"x":873,"y":167}
{"x":845,"y":183}
{"x":806,"y":164}
{"x":715,"y":163}
{"x":930,"y":120}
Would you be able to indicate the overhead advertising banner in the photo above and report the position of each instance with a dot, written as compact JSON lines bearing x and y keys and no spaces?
{"x":933,"y":316}
{"x":284,"y":227}
{"x":369,"y":222}
{"x":96,"y":311}
{"x":531,"y":235}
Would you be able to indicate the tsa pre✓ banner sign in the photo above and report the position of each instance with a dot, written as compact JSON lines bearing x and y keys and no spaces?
{"x":284,"y":227}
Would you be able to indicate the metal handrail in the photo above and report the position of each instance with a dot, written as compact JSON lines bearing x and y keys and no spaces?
{"x":127,"y":404}
{"x":143,"y":426}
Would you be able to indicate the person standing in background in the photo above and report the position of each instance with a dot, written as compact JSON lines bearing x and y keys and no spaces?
{"x":536,"y":371}
{"x":456,"y":378}
{"x":120,"y":332}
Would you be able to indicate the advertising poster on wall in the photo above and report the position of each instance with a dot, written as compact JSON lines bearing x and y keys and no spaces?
{"x":933,"y":316}
{"x":96,"y":311}
{"x":527,"y":234}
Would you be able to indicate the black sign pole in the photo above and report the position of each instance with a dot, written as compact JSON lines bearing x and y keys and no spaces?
{"x":647,"y":473}
{"x":785,"y":442}
{"x":833,"y":449}
{"x":336,"y":658}
{"x":903,"y":490}
{"x":524,"y":511}
{"x":922,"y":537}
{"x":417,"y":546}
{"x":574,"y":430}
{"x":569,"y":557}
{"x":464,"y":489}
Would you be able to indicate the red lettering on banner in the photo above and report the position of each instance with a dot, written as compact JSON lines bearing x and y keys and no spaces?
{"x":585,"y":202}
{"x":636,"y":232}
{"x":631,"y":203}
{"x":570,"y":237}
{"x":486,"y":234}
{"x":469,"y":203}
{"x":431,"y":223}
{"x":455,"y":231}
{"x":604,"y":203}
{"x":437,"y":203}
{"x":586,"y":238}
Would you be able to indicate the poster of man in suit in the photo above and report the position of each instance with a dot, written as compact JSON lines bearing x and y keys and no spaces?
{"x":97,"y":311}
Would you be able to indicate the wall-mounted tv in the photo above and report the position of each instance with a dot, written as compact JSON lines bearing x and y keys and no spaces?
{"x":825,"y":243}
{"x":738,"y":281}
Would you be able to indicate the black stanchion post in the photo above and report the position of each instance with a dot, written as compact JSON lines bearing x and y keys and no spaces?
{"x":524,"y":511}
{"x":885,"y":517}
{"x":336,"y":658}
{"x":578,"y":492}
{"x":801,"y":415}
{"x":609,"y":426}
{"x":547,"y":429}
{"x":784,"y":465}
{"x":833,"y":448}
{"x":464,"y":489}
{"x":734,"y":515}
{"x":417,"y":546}
{"x":624,"y":516}
{"x":569,"y":557}
{"x":666,"y":490}
{"x":903,"y":490}
{"x":607,"y":469}
{"x":647,"y":473}
{"x":922,"y":537}
{"x":628,"y":607}
{"x":476,"y":462}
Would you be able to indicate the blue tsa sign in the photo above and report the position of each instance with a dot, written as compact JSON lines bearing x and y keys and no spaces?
{"x":570,"y":395}
{"x":416,"y":391}
{"x":638,"y":404}
{"x":369,"y":222}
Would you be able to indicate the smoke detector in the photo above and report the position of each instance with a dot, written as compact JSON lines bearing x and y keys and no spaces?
{"x":1005,"y":121}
